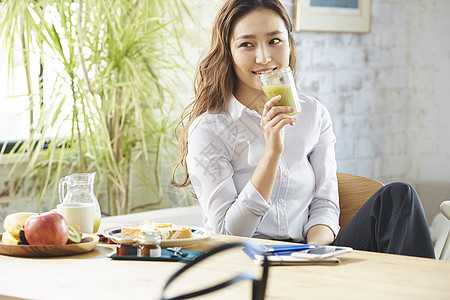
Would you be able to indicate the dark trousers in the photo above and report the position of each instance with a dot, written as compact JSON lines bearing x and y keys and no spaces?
{"x":391,"y":221}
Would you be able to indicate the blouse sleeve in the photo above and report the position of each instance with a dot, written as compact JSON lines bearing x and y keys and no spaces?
{"x":324,"y":207}
{"x":211,"y":174}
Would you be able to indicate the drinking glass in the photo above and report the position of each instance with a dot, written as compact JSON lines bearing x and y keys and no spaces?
{"x":281,"y":82}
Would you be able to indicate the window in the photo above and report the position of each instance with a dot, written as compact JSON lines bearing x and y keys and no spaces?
{"x":14,"y":102}
{"x":20,"y":112}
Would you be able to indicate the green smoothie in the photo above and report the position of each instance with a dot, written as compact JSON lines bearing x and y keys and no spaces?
{"x":285,"y":91}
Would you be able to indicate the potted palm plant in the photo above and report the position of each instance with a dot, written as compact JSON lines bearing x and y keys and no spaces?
{"x":112,"y":104}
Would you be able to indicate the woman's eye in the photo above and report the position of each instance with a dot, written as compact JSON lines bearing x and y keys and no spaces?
{"x":245,"y":44}
{"x":275,"y":41}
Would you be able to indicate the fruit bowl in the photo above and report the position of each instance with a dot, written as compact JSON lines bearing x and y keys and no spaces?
{"x":87,"y":244}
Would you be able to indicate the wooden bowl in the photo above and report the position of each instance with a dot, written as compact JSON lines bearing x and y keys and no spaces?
{"x":87,"y":244}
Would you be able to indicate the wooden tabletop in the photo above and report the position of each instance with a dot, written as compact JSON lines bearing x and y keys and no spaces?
{"x":360,"y":275}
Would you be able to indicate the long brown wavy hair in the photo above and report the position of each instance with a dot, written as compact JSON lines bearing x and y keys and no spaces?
{"x":215,"y":79}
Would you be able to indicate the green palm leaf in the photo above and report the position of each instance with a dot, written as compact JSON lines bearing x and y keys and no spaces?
{"x":119,"y":65}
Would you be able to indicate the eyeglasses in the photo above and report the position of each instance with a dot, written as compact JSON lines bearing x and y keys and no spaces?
{"x":259,"y":285}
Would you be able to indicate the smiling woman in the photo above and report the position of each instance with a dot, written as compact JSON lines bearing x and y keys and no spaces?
{"x":259,"y":44}
{"x":234,"y":140}
{"x":259,"y":171}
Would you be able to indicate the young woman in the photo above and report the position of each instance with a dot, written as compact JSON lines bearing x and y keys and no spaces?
{"x":258,"y":171}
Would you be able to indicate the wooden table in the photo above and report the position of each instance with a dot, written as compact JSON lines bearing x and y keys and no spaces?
{"x":360,"y":275}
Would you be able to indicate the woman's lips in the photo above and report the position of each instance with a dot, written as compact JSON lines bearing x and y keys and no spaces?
{"x":263,"y":71}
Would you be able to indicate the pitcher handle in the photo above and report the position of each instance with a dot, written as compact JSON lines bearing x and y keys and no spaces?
{"x":62,"y":181}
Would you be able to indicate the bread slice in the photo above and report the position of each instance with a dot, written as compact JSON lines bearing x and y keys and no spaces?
{"x":167,"y":231}
{"x":131,"y":231}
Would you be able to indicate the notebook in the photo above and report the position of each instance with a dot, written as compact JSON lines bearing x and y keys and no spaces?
{"x":284,"y":258}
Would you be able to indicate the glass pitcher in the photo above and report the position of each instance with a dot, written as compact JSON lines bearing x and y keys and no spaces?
{"x":80,"y":189}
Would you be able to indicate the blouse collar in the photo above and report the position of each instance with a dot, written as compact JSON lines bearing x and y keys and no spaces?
{"x":236,"y":109}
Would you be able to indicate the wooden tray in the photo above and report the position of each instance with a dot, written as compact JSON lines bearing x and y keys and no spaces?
{"x":87,"y":244}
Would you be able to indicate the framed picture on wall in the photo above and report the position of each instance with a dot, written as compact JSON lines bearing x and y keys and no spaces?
{"x":333,"y":15}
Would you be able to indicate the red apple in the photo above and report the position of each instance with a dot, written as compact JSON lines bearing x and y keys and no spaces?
{"x":46,"y":229}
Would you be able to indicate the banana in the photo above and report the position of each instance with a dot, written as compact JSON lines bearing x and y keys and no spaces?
{"x":9,"y":239}
{"x":14,"y":222}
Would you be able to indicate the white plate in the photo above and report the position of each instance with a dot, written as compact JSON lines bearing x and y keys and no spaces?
{"x":199,"y":234}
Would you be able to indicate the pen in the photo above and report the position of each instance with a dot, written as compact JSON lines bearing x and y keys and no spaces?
{"x":280,"y":248}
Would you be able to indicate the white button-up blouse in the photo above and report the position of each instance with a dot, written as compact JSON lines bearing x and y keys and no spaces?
{"x":223,"y":151}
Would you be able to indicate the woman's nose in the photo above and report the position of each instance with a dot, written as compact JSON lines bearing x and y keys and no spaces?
{"x":263,"y":56}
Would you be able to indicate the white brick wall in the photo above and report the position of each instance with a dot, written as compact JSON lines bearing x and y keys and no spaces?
{"x":388,"y":93}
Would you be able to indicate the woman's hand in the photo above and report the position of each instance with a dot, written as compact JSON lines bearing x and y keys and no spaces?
{"x":320,"y":235}
{"x":273,"y":120}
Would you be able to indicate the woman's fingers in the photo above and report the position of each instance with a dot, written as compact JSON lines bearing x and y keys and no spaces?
{"x":273,"y":120}
{"x":275,"y":111}
{"x":276,"y":116}
{"x":269,"y":104}
{"x":291,"y":121}
{"x":279,"y":121}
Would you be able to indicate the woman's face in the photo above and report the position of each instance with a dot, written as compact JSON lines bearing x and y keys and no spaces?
{"x":259,"y":44}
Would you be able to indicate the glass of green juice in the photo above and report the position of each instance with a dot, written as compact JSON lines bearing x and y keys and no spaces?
{"x":281,"y":82}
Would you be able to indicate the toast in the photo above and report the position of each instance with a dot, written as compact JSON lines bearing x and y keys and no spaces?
{"x":167,"y":231}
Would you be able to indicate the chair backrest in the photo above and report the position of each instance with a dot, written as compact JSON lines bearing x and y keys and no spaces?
{"x":445,"y":209}
{"x":354,"y":191}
